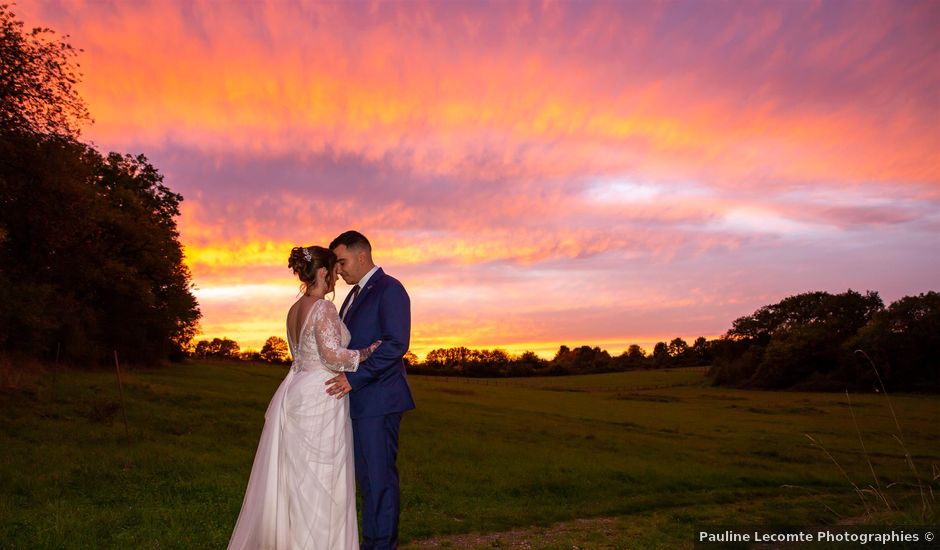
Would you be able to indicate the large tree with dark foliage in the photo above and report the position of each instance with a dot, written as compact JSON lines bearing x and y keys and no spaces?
{"x":809,"y":344}
{"x":797,"y":341}
{"x":90,"y":259}
{"x":903,"y":343}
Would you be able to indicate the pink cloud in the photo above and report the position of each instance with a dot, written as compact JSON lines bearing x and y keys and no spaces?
{"x":687,"y":163}
{"x":549,"y":91}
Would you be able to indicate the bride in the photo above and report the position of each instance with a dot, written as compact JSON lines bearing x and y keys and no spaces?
{"x":302,"y":492}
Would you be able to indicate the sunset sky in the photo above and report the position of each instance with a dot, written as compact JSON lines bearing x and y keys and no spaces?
{"x":535,"y":173}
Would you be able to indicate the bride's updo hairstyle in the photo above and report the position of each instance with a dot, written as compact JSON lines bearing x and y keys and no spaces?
{"x":304,"y":261}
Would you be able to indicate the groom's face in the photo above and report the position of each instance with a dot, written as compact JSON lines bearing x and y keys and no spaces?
{"x":350,"y":263}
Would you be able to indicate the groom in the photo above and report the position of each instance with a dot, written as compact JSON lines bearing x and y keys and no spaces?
{"x":378,"y":308}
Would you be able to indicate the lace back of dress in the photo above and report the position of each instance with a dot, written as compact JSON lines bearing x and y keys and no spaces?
{"x":308,"y":341}
{"x":322,"y":341}
{"x":304,"y":350}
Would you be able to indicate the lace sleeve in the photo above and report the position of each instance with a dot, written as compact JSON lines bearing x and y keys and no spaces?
{"x":326,"y":331}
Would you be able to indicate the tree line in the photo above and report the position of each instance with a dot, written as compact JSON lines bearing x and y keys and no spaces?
{"x":275,"y":350}
{"x":90,"y":258}
{"x":810,"y":341}
{"x":462,"y":361}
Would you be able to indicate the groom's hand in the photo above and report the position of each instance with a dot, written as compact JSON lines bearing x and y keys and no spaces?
{"x":338,"y":386}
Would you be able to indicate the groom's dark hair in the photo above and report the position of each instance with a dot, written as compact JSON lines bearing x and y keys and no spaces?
{"x":352,"y":239}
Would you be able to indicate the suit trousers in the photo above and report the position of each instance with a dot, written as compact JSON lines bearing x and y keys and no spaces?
{"x":376,"y":450}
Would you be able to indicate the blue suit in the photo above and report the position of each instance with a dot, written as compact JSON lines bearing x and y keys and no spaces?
{"x":380,"y":394}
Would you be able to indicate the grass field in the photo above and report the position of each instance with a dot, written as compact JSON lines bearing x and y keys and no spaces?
{"x":625,"y":460}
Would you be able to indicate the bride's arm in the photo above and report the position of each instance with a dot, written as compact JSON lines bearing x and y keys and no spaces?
{"x":327,"y":332}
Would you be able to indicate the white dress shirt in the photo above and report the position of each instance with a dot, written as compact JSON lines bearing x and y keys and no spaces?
{"x":362,"y":285}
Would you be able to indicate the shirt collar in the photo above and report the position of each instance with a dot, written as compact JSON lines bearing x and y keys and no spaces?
{"x":365,"y":278}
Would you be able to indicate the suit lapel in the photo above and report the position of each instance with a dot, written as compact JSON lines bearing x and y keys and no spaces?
{"x":363,"y":294}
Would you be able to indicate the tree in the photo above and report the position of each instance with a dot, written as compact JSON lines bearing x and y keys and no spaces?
{"x":562,"y":352}
{"x":225,"y":348}
{"x":203,"y":349}
{"x":735,"y":364}
{"x":37,"y":81}
{"x":795,"y":341}
{"x":148,"y":304}
{"x":221,"y":348}
{"x":678,"y":348}
{"x":632,"y":357}
{"x":903,"y":342}
{"x":794,"y":355}
{"x":843,"y":311}
{"x":807,"y":347}
{"x":490,"y":363}
{"x":661,"y":357}
{"x":274,"y":350}
{"x":526,"y":365}
{"x":410,"y":359}
{"x":635,"y":352}
{"x":90,"y":259}
{"x":454,"y":358}
{"x":701,"y":351}
{"x":581,"y":359}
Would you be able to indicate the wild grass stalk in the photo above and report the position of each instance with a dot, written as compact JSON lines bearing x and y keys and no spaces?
{"x":879,"y":490}
{"x":858,"y":490}
{"x":926,"y":505}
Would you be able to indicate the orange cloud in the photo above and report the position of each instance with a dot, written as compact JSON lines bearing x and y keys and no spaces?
{"x":638,"y":169}
{"x":228,"y":80}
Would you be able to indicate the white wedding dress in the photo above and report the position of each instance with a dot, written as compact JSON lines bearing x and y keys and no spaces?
{"x":302,"y":489}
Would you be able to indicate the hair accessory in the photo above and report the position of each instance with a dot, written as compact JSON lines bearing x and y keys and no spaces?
{"x":307,"y":255}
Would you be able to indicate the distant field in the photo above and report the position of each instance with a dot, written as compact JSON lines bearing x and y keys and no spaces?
{"x":640,"y":379}
{"x":596,"y":461}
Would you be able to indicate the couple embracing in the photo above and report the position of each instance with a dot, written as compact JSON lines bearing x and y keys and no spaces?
{"x":334,"y":419}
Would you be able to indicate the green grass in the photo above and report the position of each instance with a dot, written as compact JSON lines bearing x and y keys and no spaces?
{"x":646,"y":454}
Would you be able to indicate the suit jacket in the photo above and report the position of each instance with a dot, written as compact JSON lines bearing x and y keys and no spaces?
{"x":381,"y":311}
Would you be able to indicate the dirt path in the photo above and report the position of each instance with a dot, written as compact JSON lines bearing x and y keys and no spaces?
{"x":606,"y":533}
{"x":558,"y":535}
{"x":527,"y":537}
